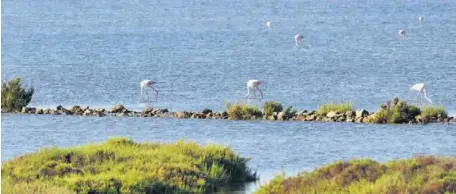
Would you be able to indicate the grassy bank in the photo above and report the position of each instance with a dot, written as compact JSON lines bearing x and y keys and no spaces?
{"x":123,"y":166}
{"x":424,"y":174}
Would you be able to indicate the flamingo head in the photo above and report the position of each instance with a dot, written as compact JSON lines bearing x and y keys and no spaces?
{"x":150,"y":83}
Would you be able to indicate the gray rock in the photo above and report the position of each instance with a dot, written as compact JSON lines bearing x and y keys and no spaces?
{"x":206,"y":111}
{"x":39,"y":111}
{"x":350,"y":113}
{"x":76,"y":109}
{"x":359,"y":120}
{"x":281,"y":116}
{"x":32,"y":110}
{"x":47,"y":111}
{"x":311,"y":117}
{"x":362,"y":113}
{"x":331,"y":114}
{"x":100,"y":110}
{"x":87,"y":112}
{"x":181,"y":114}
{"x":25,"y":110}
{"x":117,"y":108}
{"x":271,"y":118}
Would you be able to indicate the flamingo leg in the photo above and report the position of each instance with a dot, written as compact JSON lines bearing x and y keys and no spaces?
{"x":248,"y":92}
{"x":148,"y":98}
{"x":156,"y":93}
{"x":140,"y":97}
{"x":260,"y":92}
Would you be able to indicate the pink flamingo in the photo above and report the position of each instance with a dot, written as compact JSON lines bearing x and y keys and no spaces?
{"x":143,"y":85}
{"x":421,"y":91}
{"x":253,"y":85}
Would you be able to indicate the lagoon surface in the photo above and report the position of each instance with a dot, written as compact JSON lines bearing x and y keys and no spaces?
{"x":201,"y":53}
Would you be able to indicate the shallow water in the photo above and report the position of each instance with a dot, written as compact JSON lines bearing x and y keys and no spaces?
{"x":202,"y":52}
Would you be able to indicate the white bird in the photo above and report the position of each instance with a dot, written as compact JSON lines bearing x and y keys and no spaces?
{"x":253,"y":85}
{"x":268,"y":24}
{"x":402,"y":34}
{"x":420,"y":18}
{"x":143,"y":85}
{"x":298,"y":39}
{"x":421,"y":91}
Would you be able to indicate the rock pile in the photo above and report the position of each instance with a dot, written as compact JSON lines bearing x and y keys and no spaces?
{"x":359,"y":116}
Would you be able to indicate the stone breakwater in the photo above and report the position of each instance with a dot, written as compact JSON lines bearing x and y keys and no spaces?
{"x":359,"y":116}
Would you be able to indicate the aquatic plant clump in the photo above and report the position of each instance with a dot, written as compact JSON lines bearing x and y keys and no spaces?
{"x":336,"y":107}
{"x":270,"y":107}
{"x":123,"y":166}
{"x":422,"y":174}
{"x":400,"y":112}
{"x":14,"y":96}
{"x":396,"y":112}
{"x":243,"y":112}
{"x":430,"y":112}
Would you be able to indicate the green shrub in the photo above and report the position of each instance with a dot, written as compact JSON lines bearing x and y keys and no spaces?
{"x":242,"y":111}
{"x":422,"y":174}
{"x":14,"y":96}
{"x":428,"y":112}
{"x":123,"y":166}
{"x":398,"y":112}
{"x":289,"y":112}
{"x":337,"y":107}
{"x":270,"y":107}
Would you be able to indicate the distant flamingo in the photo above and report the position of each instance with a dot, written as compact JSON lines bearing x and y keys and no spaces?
{"x":421,"y":91}
{"x":402,"y":34}
{"x":420,"y":18}
{"x":253,"y":85}
{"x":143,"y":85}
{"x":298,"y":39}
{"x":268,"y":24}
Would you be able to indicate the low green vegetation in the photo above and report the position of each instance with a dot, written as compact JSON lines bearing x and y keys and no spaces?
{"x":14,"y":96}
{"x":243,"y":111}
{"x":123,"y":166}
{"x":337,"y":107}
{"x":423,"y":174}
{"x":395,"y":112}
{"x":270,"y":107}
{"x":429,"y":112}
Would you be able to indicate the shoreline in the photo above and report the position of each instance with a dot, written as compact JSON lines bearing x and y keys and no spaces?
{"x":118,"y":110}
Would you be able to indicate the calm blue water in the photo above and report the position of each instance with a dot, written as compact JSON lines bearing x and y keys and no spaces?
{"x":95,"y":53}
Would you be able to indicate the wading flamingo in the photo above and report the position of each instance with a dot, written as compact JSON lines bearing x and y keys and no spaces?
{"x":298,"y":39}
{"x":253,"y":85}
{"x":143,"y":85}
{"x":402,"y":34}
{"x":421,"y":92}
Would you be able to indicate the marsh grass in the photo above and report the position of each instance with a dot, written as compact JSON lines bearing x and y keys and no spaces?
{"x":428,"y":112}
{"x":337,"y":107}
{"x":123,"y":166}
{"x":421,"y":174}
{"x":397,"y":111}
{"x":270,"y":107}
{"x":243,"y":111}
{"x":14,"y":96}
